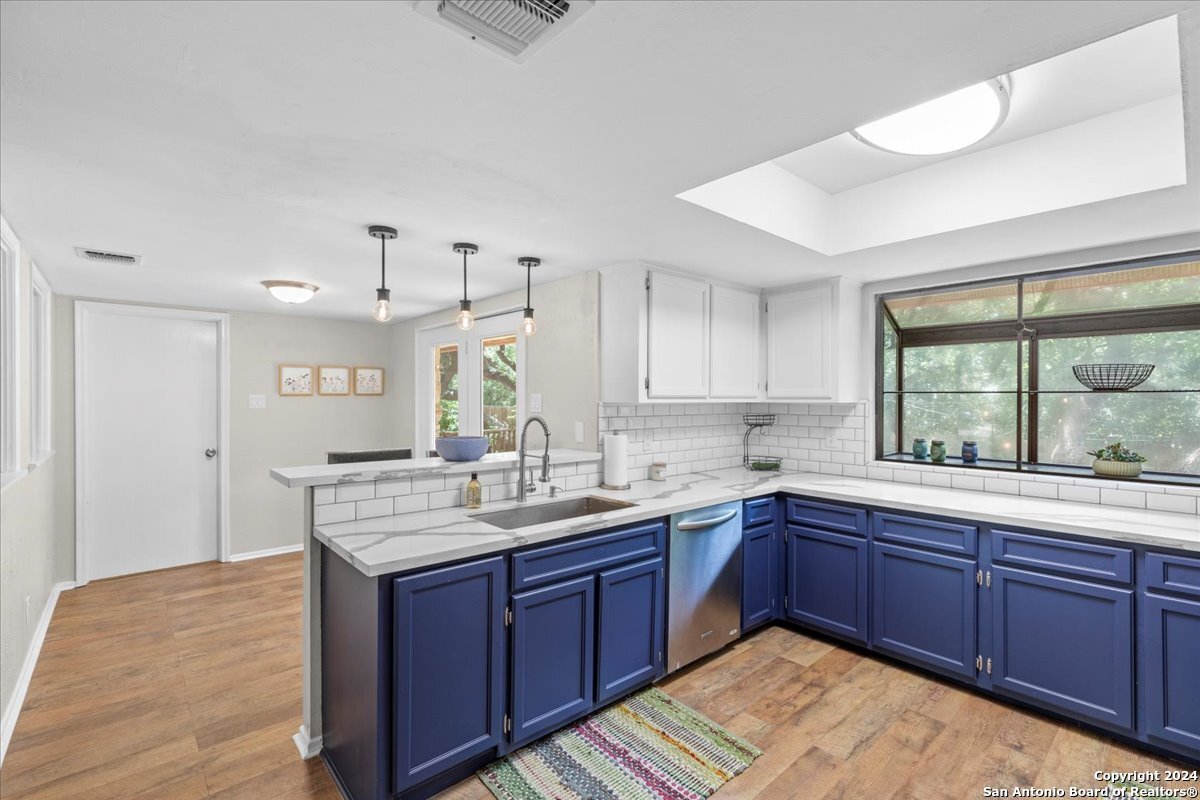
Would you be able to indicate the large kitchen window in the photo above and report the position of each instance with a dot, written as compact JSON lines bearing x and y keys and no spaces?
{"x":993,"y":363}
{"x":470,"y":382}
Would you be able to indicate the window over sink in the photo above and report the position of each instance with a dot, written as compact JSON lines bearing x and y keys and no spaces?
{"x":993,"y":363}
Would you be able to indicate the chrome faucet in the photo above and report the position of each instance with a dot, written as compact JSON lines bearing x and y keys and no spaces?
{"x":522,"y":488}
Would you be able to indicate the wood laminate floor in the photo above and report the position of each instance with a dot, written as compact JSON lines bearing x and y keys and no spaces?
{"x":185,"y":683}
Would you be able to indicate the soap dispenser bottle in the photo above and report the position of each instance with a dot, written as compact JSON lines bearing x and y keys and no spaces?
{"x":474,"y":492}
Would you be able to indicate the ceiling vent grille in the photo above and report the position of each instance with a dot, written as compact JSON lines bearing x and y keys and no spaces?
{"x":106,"y":256}
{"x":513,"y":28}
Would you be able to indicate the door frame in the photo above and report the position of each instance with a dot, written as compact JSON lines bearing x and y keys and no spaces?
{"x":87,"y":308}
{"x":470,"y":359}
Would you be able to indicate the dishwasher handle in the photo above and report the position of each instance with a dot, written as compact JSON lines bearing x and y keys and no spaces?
{"x":701,"y":524}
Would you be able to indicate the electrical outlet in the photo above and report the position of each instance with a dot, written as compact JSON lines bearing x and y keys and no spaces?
{"x":258,"y":401}
{"x":578,"y":431}
{"x":535,"y":403}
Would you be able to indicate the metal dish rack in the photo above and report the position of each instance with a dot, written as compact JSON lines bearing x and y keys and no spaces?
{"x":750,"y":460}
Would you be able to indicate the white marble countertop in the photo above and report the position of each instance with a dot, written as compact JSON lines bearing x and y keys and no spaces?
{"x":325,"y":474}
{"x":409,"y":541}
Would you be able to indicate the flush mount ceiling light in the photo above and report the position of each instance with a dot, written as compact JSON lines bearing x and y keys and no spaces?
{"x":465,"y":319}
{"x":291,"y":291}
{"x":952,"y":122}
{"x":382,"y":312}
{"x":528,"y":326}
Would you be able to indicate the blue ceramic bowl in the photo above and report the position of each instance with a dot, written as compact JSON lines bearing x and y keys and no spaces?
{"x":462,"y":448}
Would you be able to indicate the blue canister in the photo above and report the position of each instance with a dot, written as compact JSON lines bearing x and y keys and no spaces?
{"x":920,"y":448}
{"x":937,"y":452}
{"x":970,"y":452}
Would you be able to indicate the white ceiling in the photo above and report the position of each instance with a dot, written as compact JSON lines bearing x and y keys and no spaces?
{"x":231,"y":142}
{"x":1123,"y":71}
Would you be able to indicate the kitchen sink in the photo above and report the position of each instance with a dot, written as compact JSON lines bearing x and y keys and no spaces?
{"x":524,"y":516}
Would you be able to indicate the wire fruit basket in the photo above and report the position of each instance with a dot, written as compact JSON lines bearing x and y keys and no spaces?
{"x":755,"y":461}
{"x":1112,"y":377}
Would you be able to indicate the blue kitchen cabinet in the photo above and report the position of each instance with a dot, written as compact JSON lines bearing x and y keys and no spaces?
{"x":448,"y":668}
{"x":1064,"y":643}
{"x":553,"y":643}
{"x":827,"y":581}
{"x":760,"y":576}
{"x":923,"y":607}
{"x":1172,"y":670}
{"x":630,"y":628}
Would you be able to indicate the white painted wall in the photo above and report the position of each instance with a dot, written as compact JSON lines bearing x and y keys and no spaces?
{"x":562,"y":358}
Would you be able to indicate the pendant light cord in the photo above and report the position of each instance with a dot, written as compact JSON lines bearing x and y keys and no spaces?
{"x":464,"y":274}
{"x":528,"y":280}
{"x":382,"y":263}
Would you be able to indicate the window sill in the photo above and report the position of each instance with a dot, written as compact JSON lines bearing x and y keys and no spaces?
{"x":39,"y":458}
{"x":1008,"y":469}
{"x":9,"y":478}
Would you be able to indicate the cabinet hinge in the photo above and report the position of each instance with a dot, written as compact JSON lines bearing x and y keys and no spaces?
{"x":988,"y":580}
{"x":766,"y":307}
{"x":785,"y":601}
{"x":647,"y":382}
{"x":989,"y":666}
{"x":647,"y":283}
{"x":978,"y":663}
{"x":507,"y":724}
{"x":772,"y":602}
{"x":979,"y":577}
{"x":660,"y":656}
{"x":507,"y":617}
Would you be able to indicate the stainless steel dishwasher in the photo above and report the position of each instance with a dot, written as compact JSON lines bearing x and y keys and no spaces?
{"x":705,"y":594}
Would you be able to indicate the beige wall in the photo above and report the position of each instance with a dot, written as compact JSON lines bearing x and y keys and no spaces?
{"x":30,"y":538}
{"x":562,"y":359}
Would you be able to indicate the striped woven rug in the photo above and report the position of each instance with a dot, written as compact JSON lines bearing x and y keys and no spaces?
{"x":649,"y":747}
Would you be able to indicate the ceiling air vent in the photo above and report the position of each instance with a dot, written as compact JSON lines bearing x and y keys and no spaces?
{"x":514,"y":28}
{"x":106,"y":256}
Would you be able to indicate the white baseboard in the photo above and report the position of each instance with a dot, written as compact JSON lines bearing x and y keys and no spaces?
{"x":307,"y":746}
{"x":274,"y":551}
{"x":9,"y":721}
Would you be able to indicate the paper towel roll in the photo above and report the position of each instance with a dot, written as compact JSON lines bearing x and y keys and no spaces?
{"x":616,"y":461}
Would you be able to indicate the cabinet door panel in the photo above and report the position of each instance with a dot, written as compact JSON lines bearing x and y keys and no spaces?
{"x":1172,"y":665}
{"x":1065,"y":643}
{"x":734,"y":343}
{"x":923,"y":607}
{"x":799,"y":344}
{"x":760,"y":575}
{"x":631,"y":628}
{"x":552,"y":656}
{"x":677,"y":336}
{"x":449,"y":671}
{"x":827,"y":581}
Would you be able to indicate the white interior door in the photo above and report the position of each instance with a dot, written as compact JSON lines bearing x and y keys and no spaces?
{"x":148,"y":406}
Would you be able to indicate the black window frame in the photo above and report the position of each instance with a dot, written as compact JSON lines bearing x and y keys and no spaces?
{"x":1025,"y":333}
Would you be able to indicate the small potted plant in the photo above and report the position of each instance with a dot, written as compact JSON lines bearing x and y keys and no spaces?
{"x":1117,"y":461}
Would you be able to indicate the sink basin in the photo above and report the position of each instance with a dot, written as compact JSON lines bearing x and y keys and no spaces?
{"x":524,"y":516}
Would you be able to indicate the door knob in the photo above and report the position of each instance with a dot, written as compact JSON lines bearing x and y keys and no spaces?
{"x":210,"y":453}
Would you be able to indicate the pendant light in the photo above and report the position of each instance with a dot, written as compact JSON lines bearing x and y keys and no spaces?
{"x":528,"y":326}
{"x":465,"y":319}
{"x":382,"y":312}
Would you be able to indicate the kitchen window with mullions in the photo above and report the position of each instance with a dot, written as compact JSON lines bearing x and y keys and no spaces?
{"x":951,"y":366}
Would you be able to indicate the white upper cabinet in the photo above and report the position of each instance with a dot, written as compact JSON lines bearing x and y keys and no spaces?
{"x":734,"y":335}
{"x":812,"y":335}
{"x":677,"y":342}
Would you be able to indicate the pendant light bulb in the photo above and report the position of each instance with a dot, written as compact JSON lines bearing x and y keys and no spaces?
{"x":528,"y":326}
{"x":465,"y":319}
{"x":382,"y":310}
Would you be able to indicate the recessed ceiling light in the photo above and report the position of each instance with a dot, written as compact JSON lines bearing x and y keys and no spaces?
{"x":291,"y":291}
{"x":949,"y":123}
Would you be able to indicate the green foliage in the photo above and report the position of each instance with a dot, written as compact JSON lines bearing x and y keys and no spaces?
{"x":1117,"y":452}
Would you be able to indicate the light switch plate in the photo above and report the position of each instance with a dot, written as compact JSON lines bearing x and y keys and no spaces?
{"x":258,"y":401}
{"x":578,"y":431}
{"x":535,"y":403}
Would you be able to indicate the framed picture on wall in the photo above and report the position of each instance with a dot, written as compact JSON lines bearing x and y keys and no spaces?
{"x":333,"y":380}
{"x":295,"y":381}
{"x":368,"y":380}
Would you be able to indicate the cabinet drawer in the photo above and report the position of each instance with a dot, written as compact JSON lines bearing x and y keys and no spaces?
{"x":1084,"y":559}
{"x":592,"y":554}
{"x":1173,"y":573}
{"x":756,"y":512}
{"x":946,"y":536}
{"x":826,"y":515}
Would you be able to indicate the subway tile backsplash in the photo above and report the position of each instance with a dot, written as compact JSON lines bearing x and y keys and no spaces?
{"x":832,"y":440}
